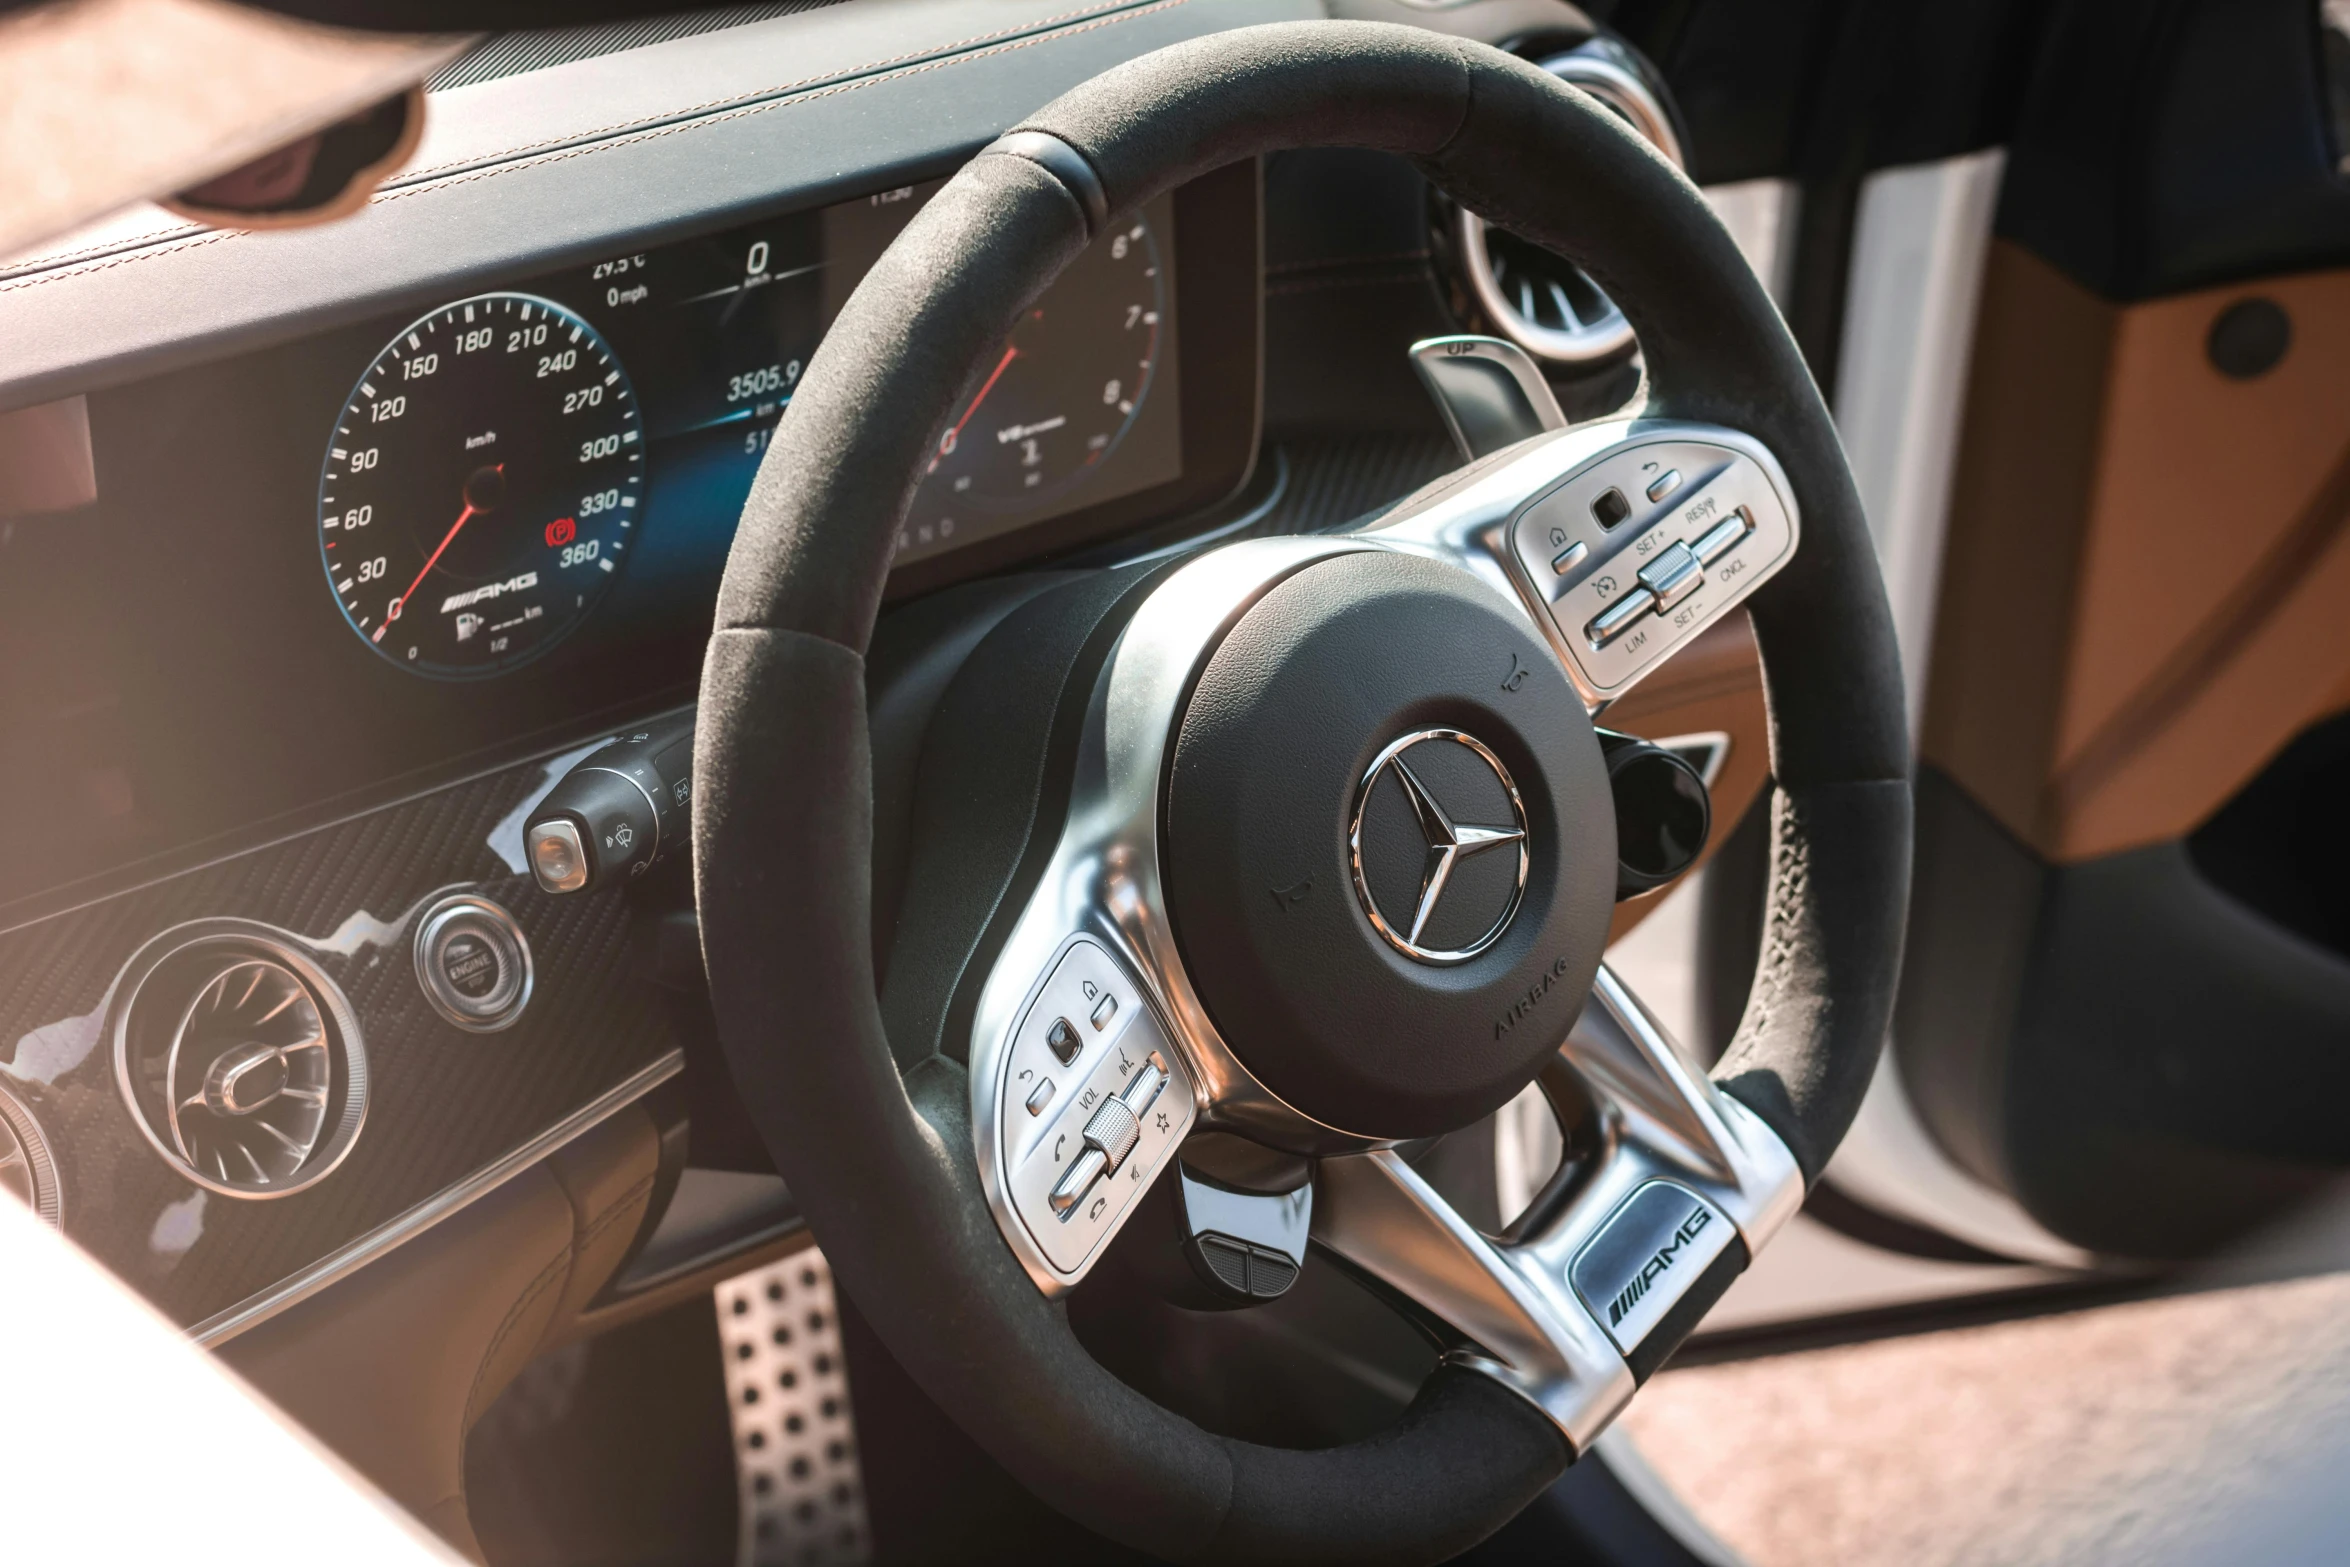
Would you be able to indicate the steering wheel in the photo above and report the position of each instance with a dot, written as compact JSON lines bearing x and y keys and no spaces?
{"x":1308,"y":842}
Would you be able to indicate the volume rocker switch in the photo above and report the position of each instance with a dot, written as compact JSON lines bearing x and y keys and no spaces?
{"x":1112,"y":1133}
{"x":1091,"y":1100}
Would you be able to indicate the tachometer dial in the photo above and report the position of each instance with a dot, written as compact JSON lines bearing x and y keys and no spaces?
{"x":480,"y":491}
{"x":1064,"y":389}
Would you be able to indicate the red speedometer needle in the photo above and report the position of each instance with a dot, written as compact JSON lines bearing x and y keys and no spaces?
{"x":430,"y":561}
{"x":946,"y":442}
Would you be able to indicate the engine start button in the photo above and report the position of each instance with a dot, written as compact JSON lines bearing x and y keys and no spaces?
{"x":473,"y":963}
{"x":470,"y":964}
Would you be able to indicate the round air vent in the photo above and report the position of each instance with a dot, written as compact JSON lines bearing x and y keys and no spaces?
{"x":1538,"y":300}
{"x":240,"y":1059}
{"x":27,"y":1172}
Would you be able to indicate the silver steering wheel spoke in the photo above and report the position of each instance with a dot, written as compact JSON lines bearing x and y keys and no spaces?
{"x":1097,"y":926}
{"x":1621,"y":540}
{"x":1667,"y":1189}
{"x":1092,"y":1054}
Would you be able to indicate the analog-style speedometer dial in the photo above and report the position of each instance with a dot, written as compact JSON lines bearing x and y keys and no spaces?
{"x":480,"y":491}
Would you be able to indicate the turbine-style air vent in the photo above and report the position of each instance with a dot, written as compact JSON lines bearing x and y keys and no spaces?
{"x":1538,"y":300}
{"x":240,"y":1059}
{"x":27,"y":1172}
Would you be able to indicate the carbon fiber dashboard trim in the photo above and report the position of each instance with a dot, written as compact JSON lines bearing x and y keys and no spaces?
{"x":343,"y":1262}
{"x":451,"y":1112}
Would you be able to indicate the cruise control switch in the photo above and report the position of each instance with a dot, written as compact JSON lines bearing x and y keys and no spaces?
{"x":616,"y":813}
{"x":1646,"y":544}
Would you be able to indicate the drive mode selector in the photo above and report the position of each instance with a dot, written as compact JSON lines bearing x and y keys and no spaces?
{"x":473,"y":963}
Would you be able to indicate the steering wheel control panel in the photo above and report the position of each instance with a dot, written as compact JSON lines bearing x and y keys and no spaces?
{"x":1095,"y":1100}
{"x":1640,"y":550}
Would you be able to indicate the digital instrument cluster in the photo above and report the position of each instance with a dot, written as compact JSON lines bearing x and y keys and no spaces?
{"x":486,"y":480}
{"x":319,"y":572}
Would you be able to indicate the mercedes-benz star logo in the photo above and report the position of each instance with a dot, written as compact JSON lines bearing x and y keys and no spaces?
{"x":1438,"y":888}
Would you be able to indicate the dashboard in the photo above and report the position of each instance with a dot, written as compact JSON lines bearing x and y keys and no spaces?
{"x":329,"y":552}
{"x":339,"y":1016}
{"x":330,"y":558}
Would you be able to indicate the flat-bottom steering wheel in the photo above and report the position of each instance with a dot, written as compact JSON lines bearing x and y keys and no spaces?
{"x":1305,"y":842}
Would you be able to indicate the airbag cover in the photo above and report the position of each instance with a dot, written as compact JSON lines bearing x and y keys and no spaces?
{"x":1294,"y":707}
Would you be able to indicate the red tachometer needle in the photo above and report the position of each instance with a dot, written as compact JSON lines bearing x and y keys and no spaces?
{"x":946,"y":442}
{"x":430,"y":561}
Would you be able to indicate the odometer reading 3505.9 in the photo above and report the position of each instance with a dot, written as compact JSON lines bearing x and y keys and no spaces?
{"x":480,"y":491}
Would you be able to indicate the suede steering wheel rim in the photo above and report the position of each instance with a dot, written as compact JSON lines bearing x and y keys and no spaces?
{"x":880,"y":1157}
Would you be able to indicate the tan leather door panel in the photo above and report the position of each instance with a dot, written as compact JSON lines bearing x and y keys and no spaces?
{"x":2147,"y":587}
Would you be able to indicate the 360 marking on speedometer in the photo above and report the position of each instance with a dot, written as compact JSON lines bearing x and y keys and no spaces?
{"x":480,"y":488}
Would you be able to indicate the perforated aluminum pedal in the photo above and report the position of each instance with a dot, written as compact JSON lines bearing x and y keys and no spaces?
{"x":795,"y":1441}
